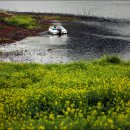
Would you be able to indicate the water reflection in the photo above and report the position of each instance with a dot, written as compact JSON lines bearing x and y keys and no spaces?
{"x":58,"y":40}
{"x":85,"y":40}
{"x":93,"y":40}
{"x":42,"y":49}
{"x":110,"y":9}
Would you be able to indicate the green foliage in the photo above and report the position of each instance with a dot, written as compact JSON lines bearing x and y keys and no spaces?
{"x":82,"y":95}
{"x":1,"y":19}
{"x":22,"y":20}
{"x":112,"y":59}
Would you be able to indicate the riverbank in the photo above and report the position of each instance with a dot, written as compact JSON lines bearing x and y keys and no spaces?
{"x":82,"y":95}
{"x":88,"y":38}
{"x":15,"y":26}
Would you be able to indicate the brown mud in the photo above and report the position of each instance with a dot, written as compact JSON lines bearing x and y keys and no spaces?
{"x":10,"y":33}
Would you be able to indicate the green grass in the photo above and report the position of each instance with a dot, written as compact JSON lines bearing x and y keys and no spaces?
{"x":1,"y":19}
{"x":81,"y":95}
{"x":26,"y":21}
{"x":60,"y":18}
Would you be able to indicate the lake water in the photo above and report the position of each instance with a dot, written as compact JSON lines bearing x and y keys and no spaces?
{"x":110,"y":9}
{"x":86,"y":39}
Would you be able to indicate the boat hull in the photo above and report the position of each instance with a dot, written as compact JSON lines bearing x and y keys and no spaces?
{"x":56,"y":31}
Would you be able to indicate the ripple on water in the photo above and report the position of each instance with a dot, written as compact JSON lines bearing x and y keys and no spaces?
{"x":85,"y":40}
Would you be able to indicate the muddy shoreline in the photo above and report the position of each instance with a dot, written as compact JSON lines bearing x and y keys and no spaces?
{"x":88,"y":38}
{"x":10,"y":33}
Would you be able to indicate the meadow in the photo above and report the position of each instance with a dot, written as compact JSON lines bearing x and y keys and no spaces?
{"x":75,"y":96}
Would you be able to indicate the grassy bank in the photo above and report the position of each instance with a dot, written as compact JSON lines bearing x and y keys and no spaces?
{"x":15,"y":26}
{"x":26,"y":21}
{"x":82,"y":95}
{"x":32,"y":21}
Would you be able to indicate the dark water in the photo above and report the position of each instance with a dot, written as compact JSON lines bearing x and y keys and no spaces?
{"x":92,"y":39}
{"x":86,"y":39}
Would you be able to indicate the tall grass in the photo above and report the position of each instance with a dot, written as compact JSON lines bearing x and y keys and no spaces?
{"x":22,"y":20}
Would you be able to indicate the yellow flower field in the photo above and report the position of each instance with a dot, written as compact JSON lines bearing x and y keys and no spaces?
{"x":76,"y":96}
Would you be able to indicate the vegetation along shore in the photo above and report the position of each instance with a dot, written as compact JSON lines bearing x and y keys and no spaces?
{"x":16,"y":26}
{"x":74,"y":96}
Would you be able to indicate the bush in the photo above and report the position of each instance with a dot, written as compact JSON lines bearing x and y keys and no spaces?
{"x":113,"y":59}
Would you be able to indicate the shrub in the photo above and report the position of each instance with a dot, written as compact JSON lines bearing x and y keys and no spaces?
{"x":109,"y":59}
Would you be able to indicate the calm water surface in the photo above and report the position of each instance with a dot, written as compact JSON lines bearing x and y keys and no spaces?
{"x":110,"y":9}
{"x":86,"y":39}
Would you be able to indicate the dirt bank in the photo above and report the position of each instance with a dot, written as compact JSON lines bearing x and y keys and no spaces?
{"x":11,"y":33}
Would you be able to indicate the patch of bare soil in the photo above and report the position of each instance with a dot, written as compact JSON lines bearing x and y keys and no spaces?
{"x":10,"y":34}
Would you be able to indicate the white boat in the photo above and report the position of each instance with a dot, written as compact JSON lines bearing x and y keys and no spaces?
{"x":53,"y":30}
{"x":57,"y":30}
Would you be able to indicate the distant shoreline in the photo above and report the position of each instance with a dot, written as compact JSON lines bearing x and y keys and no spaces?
{"x":10,"y":33}
{"x":83,"y":17}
